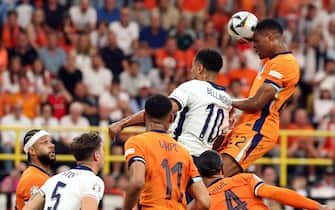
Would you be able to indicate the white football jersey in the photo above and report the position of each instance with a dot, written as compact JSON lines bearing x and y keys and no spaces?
{"x":204,"y":114}
{"x":65,"y":190}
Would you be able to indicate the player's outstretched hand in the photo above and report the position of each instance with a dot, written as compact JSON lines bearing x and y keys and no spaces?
{"x":114,"y":129}
{"x":324,"y":207}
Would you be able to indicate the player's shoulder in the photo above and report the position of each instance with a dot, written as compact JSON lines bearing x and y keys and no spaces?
{"x":192,"y":83}
{"x":242,"y":177}
{"x":285,"y":58}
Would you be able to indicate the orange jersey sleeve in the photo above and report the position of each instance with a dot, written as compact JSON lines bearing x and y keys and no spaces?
{"x":134,"y":151}
{"x":31,"y":180}
{"x":283,"y":73}
{"x":287,"y":197}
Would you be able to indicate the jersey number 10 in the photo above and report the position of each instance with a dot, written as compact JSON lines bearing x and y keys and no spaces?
{"x":218,"y":120}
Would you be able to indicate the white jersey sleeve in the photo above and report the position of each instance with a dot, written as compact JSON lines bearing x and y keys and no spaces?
{"x":181,"y":94}
{"x":94,"y":188}
{"x":203,"y":115}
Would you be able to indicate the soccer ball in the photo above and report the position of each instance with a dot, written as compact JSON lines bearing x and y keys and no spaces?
{"x":241,"y":26}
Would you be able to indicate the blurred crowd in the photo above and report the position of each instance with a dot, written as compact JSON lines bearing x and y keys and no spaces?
{"x":81,"y":63}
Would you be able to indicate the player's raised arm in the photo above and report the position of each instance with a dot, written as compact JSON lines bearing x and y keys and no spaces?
{"x":257,"y":102}
{"x":36,"y":202}
{"x":136,"y":183}
{"x":134,"y":119}
{"x":201,"y":199}
{"x":289,"y":197}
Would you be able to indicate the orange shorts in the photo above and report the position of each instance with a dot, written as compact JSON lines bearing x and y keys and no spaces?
{"x":246,"y":148}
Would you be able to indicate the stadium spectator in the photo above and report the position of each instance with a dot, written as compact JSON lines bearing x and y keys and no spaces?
{"x":30,"y":100}
{"x":302,"y":145}
{"x":69,"y":74}
{"x":168,"y":13}
{"x":131,"y":78}
{"x":113,"y":56}
{"x":45,"y":120}
{"x":143,"y":55}
{"x":3,"y":57}
{"x":325,"y":189}
{"x":10,"y":30}
{"x":126,"y":31}
{"x":98,"y":36}
{"x":139,"y":14}
{"x":116,"y":101}
{"x":329,"y":33}
{"x":182,"y":34}
{"x":9,"y":183}
{"x":24,"y":50}
{"x":96,"y":77}
{"x":24,"y":12}
{"x":154,"y":34}
{"x":4,"y":98}
{"x":73,"y":119}
{"x":117,"y":167}
{"x":54,"y":13}
{"x":109,"y":12}
{"x":220,"y":16}
{"x":190,"y":53}
{"x":194,"y":11}
{"x":159,"y":78}
{"x":89,"y":103}
{"x":59,"y":99}
{"x":53,"y":57}
{"x":14,"y":118}
{"x":67,"y":35}
{"x":138,"y":101}
{"x":243,"y":73}
{"x":11,"y":76}
{"x":299,"y":184}
{"x":40,"y":78}
{"x":327,"y":146}
{"x":269,"y":176}
{"x":37,"y":30}
{"x":83,"y":52}
{"x":170,"y":50}
{"x":83,"y":16}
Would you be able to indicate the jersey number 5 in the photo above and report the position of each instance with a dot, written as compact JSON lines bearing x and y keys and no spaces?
{"x":177,"y":168}
{"x":214,"y":132}
{"x":56,"y":195}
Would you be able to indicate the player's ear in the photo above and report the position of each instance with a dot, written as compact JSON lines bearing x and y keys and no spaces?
{"x":96,"y":155}
{"x":32,"y":151}
{"x":144,"y":117}
{"x":171,"y":116}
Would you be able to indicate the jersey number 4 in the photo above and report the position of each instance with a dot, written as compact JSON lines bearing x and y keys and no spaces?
{"x":56,"y":196}
{"x":230,"y":197}
{"x":177,"y":168}
{"x":218,"y":120}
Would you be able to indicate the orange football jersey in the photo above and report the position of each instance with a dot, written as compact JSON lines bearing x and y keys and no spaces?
{"x":237,"y":192}
{"x":169,"y":169}
{"x":282,"y":72}
{"x":31,"y":180}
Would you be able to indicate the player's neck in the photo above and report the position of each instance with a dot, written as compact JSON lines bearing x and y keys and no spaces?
{"x":156,"y":126}
{"x":94,"y":169}
{"x":210,"y":77}
{"x":211,"y":180}
{"x":41,"y":166}
{"x":279,"y":48}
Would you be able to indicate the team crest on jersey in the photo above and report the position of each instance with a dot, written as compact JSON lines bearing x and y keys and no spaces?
{"x":33,"y":190}
{"x":96,"y":188}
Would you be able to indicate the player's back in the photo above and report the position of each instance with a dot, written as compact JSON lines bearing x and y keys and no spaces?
{"x":205,"y":111}
{"x":65,"y":190}
{"x":169,"y":169}
{"x":282,"y":72}
{"x":31,"y":180}
{"x":237,"y":192}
